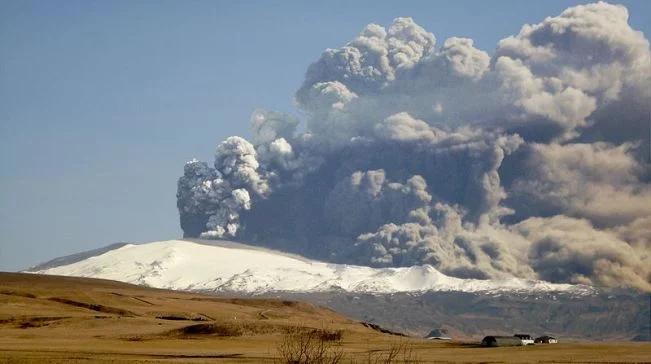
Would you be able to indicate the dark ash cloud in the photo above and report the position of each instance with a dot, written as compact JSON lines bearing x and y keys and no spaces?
{"x":526,"y":163}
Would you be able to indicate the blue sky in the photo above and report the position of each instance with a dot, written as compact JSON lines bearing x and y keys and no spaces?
{"x":103,"y":101}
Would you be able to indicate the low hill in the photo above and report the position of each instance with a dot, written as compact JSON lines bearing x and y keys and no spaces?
{"x":67,"y":319}
{"x":61,"y":317}
{"x":414,"y":299}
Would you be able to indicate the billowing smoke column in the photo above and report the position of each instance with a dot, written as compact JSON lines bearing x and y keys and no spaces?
{"x":527,"y":163}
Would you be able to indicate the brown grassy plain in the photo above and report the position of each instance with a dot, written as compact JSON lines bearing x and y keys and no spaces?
{"x":50,"y":319}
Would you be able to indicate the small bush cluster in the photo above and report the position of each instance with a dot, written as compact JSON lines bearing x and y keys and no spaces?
{"x":399,"y":352}
{"x":310,"y":346}
{"x":321,"y":346}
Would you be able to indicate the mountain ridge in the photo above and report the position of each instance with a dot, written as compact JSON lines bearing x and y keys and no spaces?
{"x":224,"y":266}
{"x":576,"y":312}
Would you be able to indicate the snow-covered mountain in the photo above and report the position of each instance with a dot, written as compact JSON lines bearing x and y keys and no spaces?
{"x":233,"y":267}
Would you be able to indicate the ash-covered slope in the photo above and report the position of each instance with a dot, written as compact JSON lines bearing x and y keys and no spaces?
{"x":232,"y":267}
{"x":618,"y":315}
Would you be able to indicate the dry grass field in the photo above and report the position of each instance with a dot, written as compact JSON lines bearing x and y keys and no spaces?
{"x":49,"y":319}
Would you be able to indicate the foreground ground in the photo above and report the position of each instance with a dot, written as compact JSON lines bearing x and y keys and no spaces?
{"x":63,"y":319}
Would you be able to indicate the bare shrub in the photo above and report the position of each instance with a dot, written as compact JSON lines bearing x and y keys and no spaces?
{"x":330,"y":335}
{"x":300,"y":345}
{"x":398,"y":352}
{"x":310,"y":346}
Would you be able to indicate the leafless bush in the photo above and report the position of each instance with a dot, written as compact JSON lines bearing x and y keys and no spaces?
{"x":330,"y":335}
{"x":399,"y":352}
{"x":300,"y":345}
{"x":310,"y":346}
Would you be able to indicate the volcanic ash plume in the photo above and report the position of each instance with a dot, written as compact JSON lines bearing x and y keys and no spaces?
{"x":527,"y":163}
